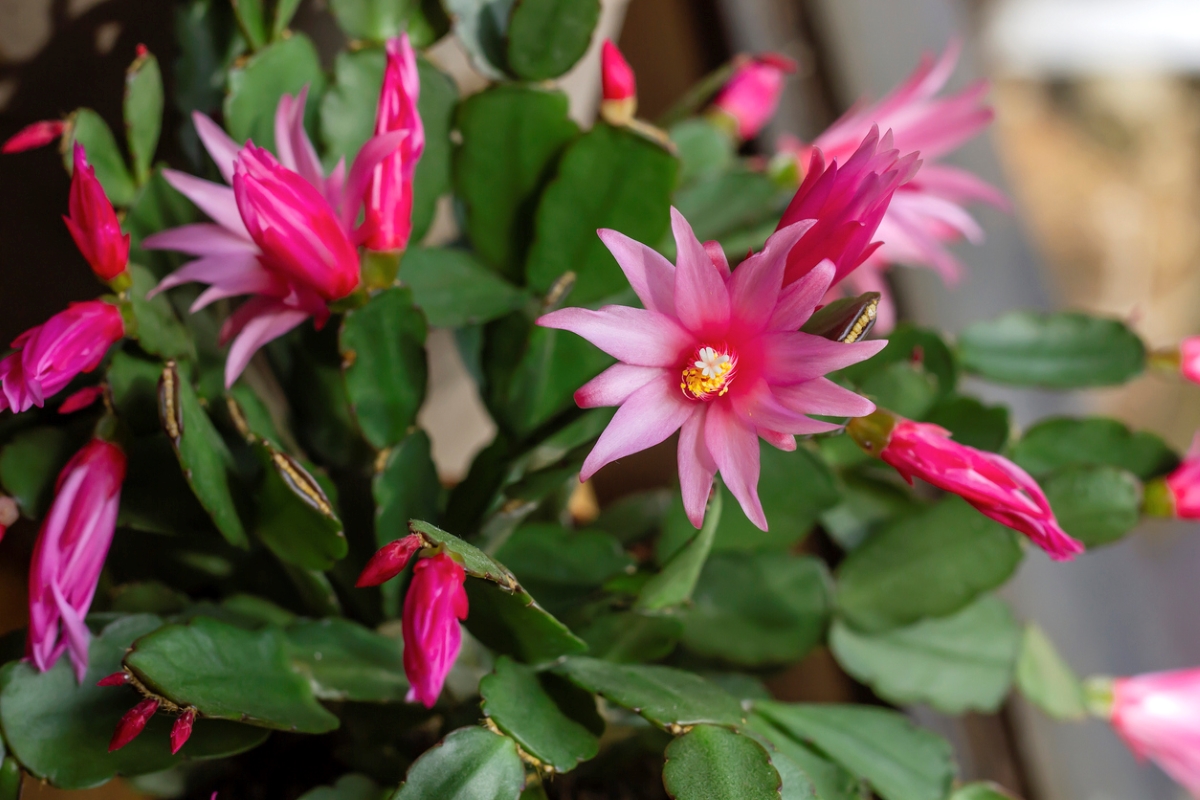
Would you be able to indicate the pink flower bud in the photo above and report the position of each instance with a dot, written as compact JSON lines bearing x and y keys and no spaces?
{"x":752,"y":95}
{"x":296,"y":230}
{"x":1158,"y":716}
{"x":181,"y":731}
{"x":69,"y":555}
{"x":39,"y":134}
{"x":995,"y":486}
{"x":1189,"y":358}
{"x":9,"y":513}
{"x":389,"y":195}
{"x":120,"y":678}
{"x":619,"y":102}
{"x":132,"y":724}
{"x":81,"y":399}
{"x":435,"y":603}
{"x":93,"y":223}
{"x":50,"y":355}
{"x":389,"y":561}
{"x":1183,"y":486}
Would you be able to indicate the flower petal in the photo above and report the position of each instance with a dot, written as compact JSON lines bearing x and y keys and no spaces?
{"x":823,"y":396}
{"x":696,"y":466}
{"x":648,"y":417}
{"x":701,"y":299}
{"x":613,"y":386}
{"x":212,"y":198}
{"x":734,"y":448}
{"x":263,"y":328}
{"x":759,"y":408}
{"x":798,"y":299}
{"x":218,"y":143}
{"x":633,"y":335}
{"x":200,"y":239}
{"x":792,"y":358}
{"x":651,"y":276}
{"x":755,"y":286}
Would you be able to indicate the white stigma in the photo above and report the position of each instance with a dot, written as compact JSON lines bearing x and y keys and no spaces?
{"x":711,"y":363}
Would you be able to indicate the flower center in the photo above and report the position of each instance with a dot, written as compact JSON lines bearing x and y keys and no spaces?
{"x":708,"y":373}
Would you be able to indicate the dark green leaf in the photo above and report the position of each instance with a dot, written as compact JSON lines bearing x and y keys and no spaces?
{"x":284,"y":11}
{"x":345,"y":661}
{"x":517,"y":703}
{"x":225,"y":672}
{"x":900,"y":761}
{"x":432,"y":179}
{"x":663,"y":695}
{"x":348,"y":787}
{"x":635,"y":516}
{"x":796,"y":785}
{"x":202,"y":453}
{"x":511,"y":138}
{"x":159,"y":330}
{"x":703,"y":148}
{"x":285,"y":67}
{"x":553,"y":562}
{"x":156,"y":498}
{"x":514,"y":624}
{"x":474,"y":560}
{"x":469,"y":764}
{"x":143,"y":113}
{"x":454,"y":289}
{"x":724,"y":202}
{"x":1048,"y":681}
{"x":630,"y":638}
{"x":609,"y":178}
{"x":1056,"y":443}
{"x":59,"y":729}
{"x":677,"y":580}
{"x":383,"y":349}
{"x":1058,"y":351}
{"x":295,"y":517}
{"x":956,"y":663}
{"x":547,"y":37}
{"x":133,"y":386}
{"x":31,"y":462}
{"x":11,"y":779}
{"x":252,"y":19}
{"x":711,"y":763}
{"x":866,"y":503}
{"x":375,"y":20}
{"x":971,"y":422}
{"x":91,"y":131}
{"x":1096,"y":505}
{"x":915,"y":345}
{"x":929,"y":564}
{"x":406,"y":488}
{"x":150,"y":597}
{"x":830,"y":781}
{"x":482,"y":26}
{"x":983,"y":791}
{"x":903,"y":387}
{"x":758,"y":608}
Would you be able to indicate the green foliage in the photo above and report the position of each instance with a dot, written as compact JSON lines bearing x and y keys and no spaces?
{"x":675,"y":584}
{"x":284,"y":67}
{"x":1095,"y":441}
{"x":711,"y":763}
{"x":454,"y":290}
{"x":1096,"y":505}
{"x":90,"y":130}
{"x":471,"y":764}
{"x":482,"y":26}
{"x":143,"y":113}
{"x":547,"y":37}
{"x":1046,"y":680}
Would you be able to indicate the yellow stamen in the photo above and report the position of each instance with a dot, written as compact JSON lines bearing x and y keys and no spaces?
{"x":709,"y":373}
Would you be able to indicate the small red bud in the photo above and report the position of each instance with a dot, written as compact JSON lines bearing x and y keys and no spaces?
{"x":38,"y":134}
{"x":132,"y":724}
{"x":390,"y":560}
{"x":182,"y":729}
{"x":142,"y":52}
{"x":81,"y":399}
{"x":119,"y":678}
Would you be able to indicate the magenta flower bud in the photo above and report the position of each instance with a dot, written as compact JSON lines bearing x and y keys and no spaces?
{"x":751,"y":96}
{"x":120,"y":678}
{"x":389,"y":561}
{"x":132,"y":724}
{"x":81,"y":399}
{"x":1189,"y":358}
{"x":295,"y":228}
{"x":9,"y":514}
{"x":70,"y":553}
{"x":435,"y":603}
{"x":1178,"y":494}
{"x":619,"y":99}
{"x":1158,"y":716}
{"x":181,"y":731}
{"x":995,"y":486}
{"x":389,"y":195}
{"x":93,"y":222}
{"x":50,"y":355}
{"x":39,"y":134}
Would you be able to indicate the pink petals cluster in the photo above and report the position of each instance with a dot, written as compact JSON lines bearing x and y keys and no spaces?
{"x":285,"y":233}
{"x":50,"y":355}
{"x":751,"y":96}
{"x":433,"y":607}
{"x":715,"y":355}
{"x":1158,"y":716}
{"x":93,"y":223}
{"x":1178,"y":494}
{"x":995,"y":486}
{"x":70,"y":553}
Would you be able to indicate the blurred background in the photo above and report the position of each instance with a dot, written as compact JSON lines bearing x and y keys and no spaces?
{"x":1096,"y":140}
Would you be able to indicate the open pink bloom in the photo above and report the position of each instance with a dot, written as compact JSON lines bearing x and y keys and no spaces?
{"x":286,"y":236}
{"x":1189,"y":358}
{"x":752,"y":95}
{"x":390,"y":193}
{"x":619,"y":86}
{"x":50,"y":355}
{"x":1183,"y":485}
{"x":93,"y":222}
{"x":1158,"y":716}
{"x":433,"y":606}
{"x":39,"y":134}
{"x":995,"y":486}
{"x":848,"y":201}
{"x":70,"y":553}
{"x":716,"y":354}
{"x":926,"y":212}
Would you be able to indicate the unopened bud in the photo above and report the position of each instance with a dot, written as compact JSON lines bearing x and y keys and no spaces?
{"x":873,"y":431}
{"x":390,"y":561}
{"x":619,"y":102}
{"x":119,"y":678}
{"x":182,"y":730}
{"x":39,"y":134}
{"x":132,"y":724}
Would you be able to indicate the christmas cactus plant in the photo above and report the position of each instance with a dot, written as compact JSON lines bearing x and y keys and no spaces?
{"x":248,"y":578}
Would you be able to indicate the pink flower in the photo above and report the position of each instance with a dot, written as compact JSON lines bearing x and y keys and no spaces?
{"x":181,"y":731}
{"x":848,"y":202}
{"x":926,"y":212}
{"x":81,"y":399}
{"x":39,"y":134}
{"x":9,"y":514}
{"x":619,"y":97}
{"x":390,"y":193}
{"x":995,"y":486}
{"x":390,"y":561}
{"x":752,"y":94}
{"x":716,"y":355}
{"x":435,"y":603}
{"x":49,"y":356}
{"x":1183,"y":485}
{"x":1189,"y":358}
{"x":286,"y":236}
{"x":93,"y":222}
{"x":1158,"y":716}
{"x":132,"y":724}
{"x":70,"y":553}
